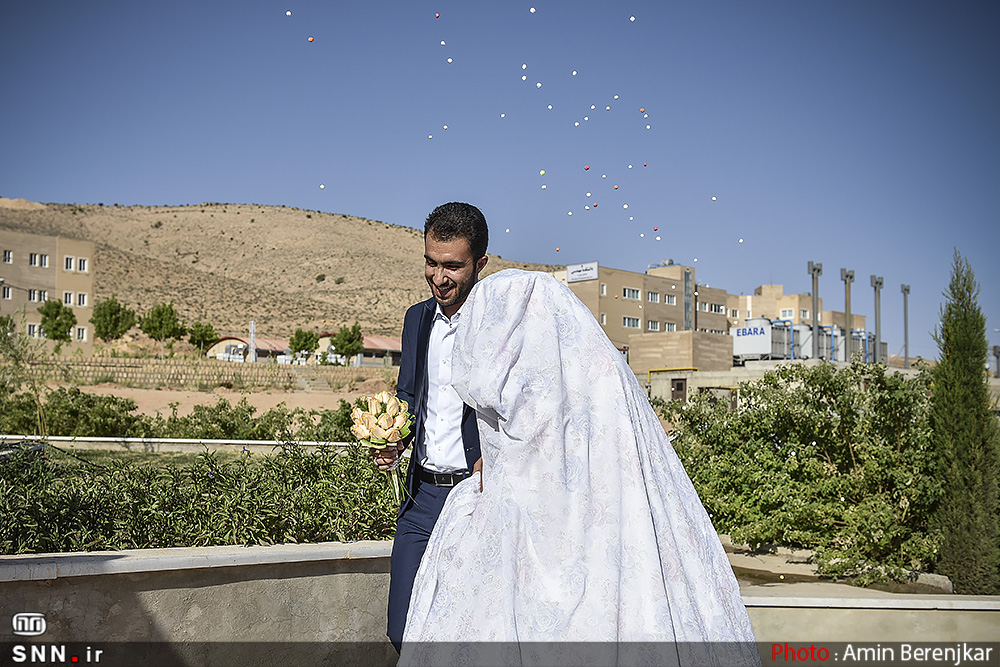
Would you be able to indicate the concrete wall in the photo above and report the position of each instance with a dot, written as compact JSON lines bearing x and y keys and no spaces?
{"x":309,"y":597}
{"x":680,"y":349}
{"x":199,"y":373}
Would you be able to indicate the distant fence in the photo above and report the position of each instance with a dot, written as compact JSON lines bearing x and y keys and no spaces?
{"x":201,"y":373}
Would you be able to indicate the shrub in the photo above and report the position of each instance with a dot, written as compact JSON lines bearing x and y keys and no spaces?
{"x":838,"y":461}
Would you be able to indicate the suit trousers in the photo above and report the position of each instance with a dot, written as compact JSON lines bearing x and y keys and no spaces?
{"x":413,"y":530}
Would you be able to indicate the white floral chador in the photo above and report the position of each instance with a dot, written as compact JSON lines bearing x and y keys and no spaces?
{"x":588,"y":529}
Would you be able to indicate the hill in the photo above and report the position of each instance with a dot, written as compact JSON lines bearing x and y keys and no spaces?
{"x":228,"y":264}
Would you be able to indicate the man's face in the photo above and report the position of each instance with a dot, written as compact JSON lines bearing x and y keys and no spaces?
{"x":451,"y":271}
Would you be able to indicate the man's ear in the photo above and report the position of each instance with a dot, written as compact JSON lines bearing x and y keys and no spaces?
{"x":481,"y":264}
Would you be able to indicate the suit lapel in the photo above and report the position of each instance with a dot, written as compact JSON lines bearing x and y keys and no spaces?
{"x":423,"y":338}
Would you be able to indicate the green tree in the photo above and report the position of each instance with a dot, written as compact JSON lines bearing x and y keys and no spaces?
{"x":112,"y":319}
{"x":349,"y":342}
{"x":304,"y":341}
{"x":162,"y":322}
{"x":967,"y":441}
{"x":57,"y":322}
{"x":202,"y":335}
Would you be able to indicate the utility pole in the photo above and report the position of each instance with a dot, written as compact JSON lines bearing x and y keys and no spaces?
{"x":877,"y":284}
{"x":816,"y":270}
{"x":996,"y":358}
{"x":848,"y":278}
{"x":906,"y":327}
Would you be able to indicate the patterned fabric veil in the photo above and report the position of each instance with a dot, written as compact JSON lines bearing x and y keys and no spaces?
{"x":588,"y":529}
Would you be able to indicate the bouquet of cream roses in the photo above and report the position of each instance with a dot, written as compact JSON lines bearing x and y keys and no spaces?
{"x":386,"y":421}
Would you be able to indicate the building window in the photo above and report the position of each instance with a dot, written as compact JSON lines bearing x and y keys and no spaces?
{"x":718,"y":309}
{"x":81,"y":299}
{"x":604,"y":289}
{"x":630,"y":322}
{"x":32,"y":295}
{"x":671,"y":299}
{"x":653,"y":325}
{"x":8,"y":256}
{"x":32,"y":259}
{"x":734,"y":313}
{"x":82,"y":265}
{"x":654,"y":297}
{"x":81,"y":334}
{"x":7,"y":292}
{"x":69,"y":263}
{"x":33,"y":330}
{"x":804,"y":314}
{"x":716,"y":331}
{"x":67,"y":298}
{"x":604,"y":319}
{"x":669,"y":326}
{"x":703,"y":307}
{"x":787,"y":313}
{"x":43,"y":295}
{"x":43,"y":261}
{"x":631,"y":293}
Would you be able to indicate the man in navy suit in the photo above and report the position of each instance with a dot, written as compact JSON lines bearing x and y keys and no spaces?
{"x":445,"y":437}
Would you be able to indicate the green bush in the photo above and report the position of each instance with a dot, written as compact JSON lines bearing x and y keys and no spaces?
{"x":841,"y":462}
{"x":49,"y":504}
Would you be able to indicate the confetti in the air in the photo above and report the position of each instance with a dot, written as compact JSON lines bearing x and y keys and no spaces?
{"x":713,"y":199}
{"x":437,"y":16}
{"x":508,"y":230}
{"x":592,"y":107}
{"x":323,"y":187}
{"x":310,"y":39}
{"x":544,"y":186}
{"x":625,"y":206}
{"x":630,"y":166}
{"x":449,"y":61}
{"x":532,"y":10}
{"x":643,"y":164}
{"x":541,"y":172}
{"x":442,"y":42}
{"x":550,"y":107}
{"x":642,"y":236}
{"x":576,"y":124}
{"x":503,"y":115}
{"x":588,"y":194}
{"x":586,"y":167}
{"x":607,"y":108}
{"x":557,"y":249}
{"x":524,"y":78}
{"x":604,"y":175}
{"x":569,"y":213}
{"x":586,"y":208}
{"x":616,"y":187}
{"x":586,"y":117}
{"x":538,"y":85}
{"x":657,"y":238}
{"x":288,"y":13}
{"x":632,"y":19}
{"x":631,"y":217}
{"x":574,"y":72}
{"x":741,"y":240}
{"x":430,"y":136}
{"x":696,"y":259}
{"x":616,"y":97}
{"x":643,"y":110}
{"x":656,"y":229}
{"x":524,"y":65}
{"x":444,"y":127}
{"x":647,"y":127}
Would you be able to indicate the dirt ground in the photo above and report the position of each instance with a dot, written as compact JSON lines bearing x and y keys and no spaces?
{"x":151,"y":401}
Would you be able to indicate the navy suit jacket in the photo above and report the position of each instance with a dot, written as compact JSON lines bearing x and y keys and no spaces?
{"x":412,"y":388}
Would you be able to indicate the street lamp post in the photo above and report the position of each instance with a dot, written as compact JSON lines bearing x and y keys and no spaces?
{"x":848,"y":278}
{"x":877,"y":284}
{"x":816,"y":270}
{"x":906,"y":327}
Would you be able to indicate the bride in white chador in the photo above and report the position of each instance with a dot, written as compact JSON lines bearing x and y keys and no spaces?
{"x":587,"y":528}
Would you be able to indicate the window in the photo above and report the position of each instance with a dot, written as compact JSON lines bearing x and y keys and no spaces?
{"x":669,"y":326}
{"x":734,"y":313}
{"x":787,"y":313}
{"x":7,"y":292}
{"x":654,"y":297}
{"x":82,"y":265}
{"x":604,"y":289}
{"x":33,"y":330}
{"x":718,"y":309}
{"x":33,"y":259}
{"x":8,"y":256}
{"x":652,"y":325}
{"x":43,"y":295}
{"x":671,"y":300}
{"x":32,"y":295}
{"x":67,"y":298}
{"x":43,"y":261}
{"x":804,"y":314}
{"x":81,"y":299}
{"x":604,"y":319}
{"x":630,"y":293}
{"x":69,"y":263}
{"x":703,"y":307}
{"x":81,"y":334}
{"x":630,"y":322}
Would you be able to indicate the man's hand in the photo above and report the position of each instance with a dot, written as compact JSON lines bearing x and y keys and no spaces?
{"x":386,"y":458}
{"x":478,"y":467}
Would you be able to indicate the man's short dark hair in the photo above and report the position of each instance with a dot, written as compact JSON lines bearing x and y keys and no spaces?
{"x":459,"y":220}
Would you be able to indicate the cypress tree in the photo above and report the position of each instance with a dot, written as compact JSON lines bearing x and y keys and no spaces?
{"x":967,"y":440}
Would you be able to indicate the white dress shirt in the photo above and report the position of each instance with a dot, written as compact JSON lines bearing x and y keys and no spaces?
{"x":443,"y":449}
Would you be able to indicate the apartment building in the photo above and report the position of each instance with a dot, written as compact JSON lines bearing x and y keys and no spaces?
{"x":36,"y":269}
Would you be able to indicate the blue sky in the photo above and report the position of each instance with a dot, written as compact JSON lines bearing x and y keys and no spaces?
{"x":857,"y":134}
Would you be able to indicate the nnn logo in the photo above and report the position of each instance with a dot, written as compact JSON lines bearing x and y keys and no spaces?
{"x":29,"y":624}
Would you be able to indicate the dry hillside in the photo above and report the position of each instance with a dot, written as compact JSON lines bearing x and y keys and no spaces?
{"x":228,"y":264}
